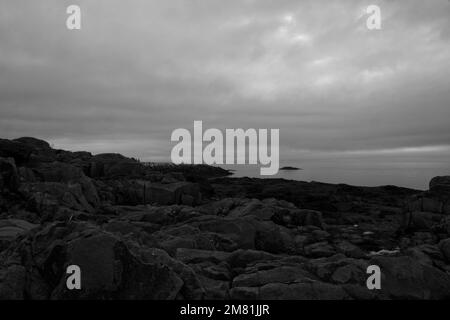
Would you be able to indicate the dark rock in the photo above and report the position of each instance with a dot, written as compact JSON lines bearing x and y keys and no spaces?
{"x":174,"y":193}
{"x":57,"y":172}
{"x":161,"y":231}
{"x":112,"y":165}
{"x":419,"y":220}
{"x":244,"y":293}
{"x":319,"y":249}
{"x":18,"y":151}
{"x":109,"y":269}
{"x":311,"y":290}
{"x":11,"y":228}
{"x":283,"y":274}
{"x":444,"y":245}
{"x":350,"y":250}
{"x":136,"y":192}
{"x":26,"y":175}
{"x":215,"y":289}
{"x":405,"y":278}
{"x":9,"y":178}
{"x":240,"y":231}
{"x":275,"y":239}
{"x":440,"y":184}
{"x":348,"y":273}
{"x":196,"y":256}
{"x":241,"y":258}
{"x":192,"y":287}
{"x":173,"y":177}
{"x":287,"y":168}
{"x":48,"y":197}
{"x":12,"y":283}
{"x":36,"y":144}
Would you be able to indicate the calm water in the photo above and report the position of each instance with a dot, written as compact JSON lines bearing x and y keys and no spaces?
{"x":411,"y":175}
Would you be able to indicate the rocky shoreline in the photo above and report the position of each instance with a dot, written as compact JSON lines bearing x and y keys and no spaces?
{"x":141,"y":231}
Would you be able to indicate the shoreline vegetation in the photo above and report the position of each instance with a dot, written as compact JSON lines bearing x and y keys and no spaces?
{"x":166,"y":231}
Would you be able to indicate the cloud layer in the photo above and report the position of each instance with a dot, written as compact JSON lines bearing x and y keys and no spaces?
{"x":140,"y":69}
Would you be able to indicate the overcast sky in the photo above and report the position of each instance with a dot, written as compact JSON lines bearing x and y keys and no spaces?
{"x":140,"y":69}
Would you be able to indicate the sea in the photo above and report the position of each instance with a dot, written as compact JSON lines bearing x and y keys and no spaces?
{"x":414,"y":175}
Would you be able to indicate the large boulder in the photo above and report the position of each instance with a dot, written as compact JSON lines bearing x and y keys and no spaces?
{"x":405,"y":278}
{"x":440,"y":184}
{"x":109,"y":269}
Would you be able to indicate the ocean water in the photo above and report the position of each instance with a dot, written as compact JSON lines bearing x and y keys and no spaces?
{"x":415,"y":175}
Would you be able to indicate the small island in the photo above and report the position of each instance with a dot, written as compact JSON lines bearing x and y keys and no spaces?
{"x":288,"y":168}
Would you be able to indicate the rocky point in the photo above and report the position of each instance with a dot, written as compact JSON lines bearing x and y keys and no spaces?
{"x":141,"y":231}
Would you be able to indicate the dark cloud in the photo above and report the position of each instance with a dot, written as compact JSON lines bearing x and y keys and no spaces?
{"x":139,"y":69}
